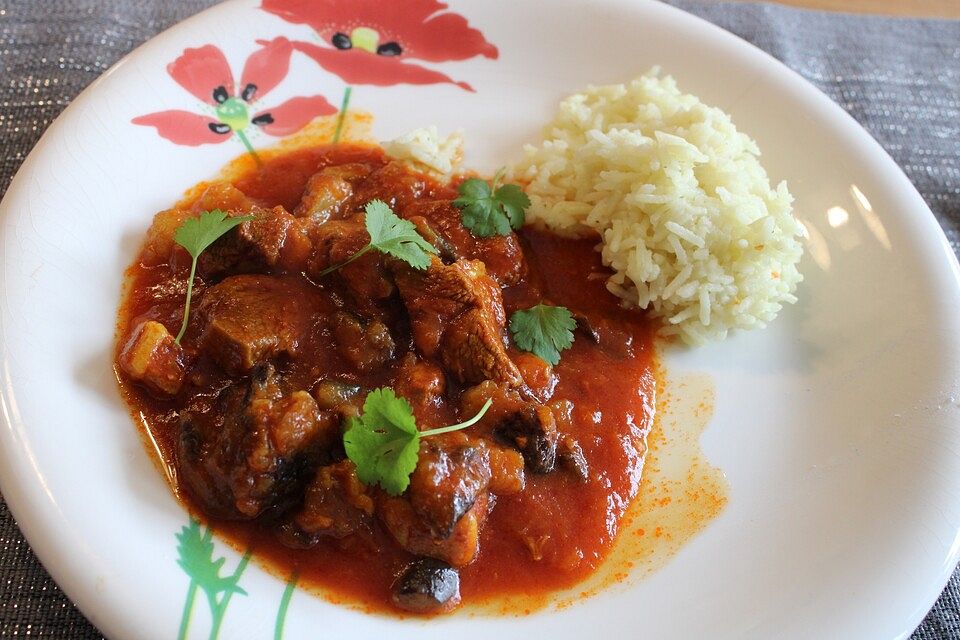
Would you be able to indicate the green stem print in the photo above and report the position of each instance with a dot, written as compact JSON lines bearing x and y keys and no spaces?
{"x":250,"y":149}
{"x":284,"y":605}
{"x":187,"y":611}
{"x":342,"y":115}
{"x":219,"y":609}
{"x":195,"y":557}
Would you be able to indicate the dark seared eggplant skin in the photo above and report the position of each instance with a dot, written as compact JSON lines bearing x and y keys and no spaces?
{"x":570,"y":457}
{"x":427,"y":585}
{"x":533,"y":431}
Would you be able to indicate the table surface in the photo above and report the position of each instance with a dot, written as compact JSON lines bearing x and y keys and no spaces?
{"x":915,"y":8}
{"x":37,"y":85}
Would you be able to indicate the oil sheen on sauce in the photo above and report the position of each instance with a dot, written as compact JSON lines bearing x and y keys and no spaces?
{"x":679,"y":495}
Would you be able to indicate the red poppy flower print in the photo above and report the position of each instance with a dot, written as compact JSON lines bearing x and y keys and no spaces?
{"x":370,"y":41}
{"x":205,"y":73}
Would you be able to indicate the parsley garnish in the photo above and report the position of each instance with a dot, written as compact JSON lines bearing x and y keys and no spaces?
{"x":384,"y":442}
{"x":491,"y":210}
{"x":543,"y":330}
{"x":392,"y":235}
{"x":195,"y":235}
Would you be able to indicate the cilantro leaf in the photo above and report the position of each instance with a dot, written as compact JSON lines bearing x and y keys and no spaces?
{"x":491,"y":210}
{"x":384,"y":442}
{"x":195,"y":235}
{"x":479,"y":210}
{"x":543,"y":330}
{"x":395,"y":236}
{"x":392,"y":235}
{"x":514,"y":202}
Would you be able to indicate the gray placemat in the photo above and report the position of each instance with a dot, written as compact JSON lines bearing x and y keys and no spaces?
{"x":900,"y":78}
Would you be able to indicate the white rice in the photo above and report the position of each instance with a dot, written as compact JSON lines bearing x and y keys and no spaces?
{"x":689,"y":222}
{"x":425,"y":150}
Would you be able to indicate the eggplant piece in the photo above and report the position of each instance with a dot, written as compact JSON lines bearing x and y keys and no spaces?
{"x":365,"y":345}
{"x":586,"y":327}
{"x":571,"y":458}
{"x":610,"y":337}
{"x":533,"y":432}
{"x":251,"y":454}
{"x":331,"y":394}
{"x":427,"y":585}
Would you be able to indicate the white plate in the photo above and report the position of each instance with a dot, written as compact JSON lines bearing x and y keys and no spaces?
{"x":837,"y":427}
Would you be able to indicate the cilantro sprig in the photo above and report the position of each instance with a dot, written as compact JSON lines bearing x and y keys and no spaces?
{"x":392,"y":235}
{"x":543,"y":330}
{"x":384,"y":442}
{"x":195,"y":235}
{"x":491,"y":210}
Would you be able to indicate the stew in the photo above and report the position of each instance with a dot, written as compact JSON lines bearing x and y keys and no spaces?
{"x":248,"y":410}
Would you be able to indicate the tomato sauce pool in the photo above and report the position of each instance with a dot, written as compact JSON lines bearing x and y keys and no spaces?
{"x":550,"y":536}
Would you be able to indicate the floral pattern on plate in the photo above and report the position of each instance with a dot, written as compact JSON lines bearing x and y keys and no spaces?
{"x":205,"y":73}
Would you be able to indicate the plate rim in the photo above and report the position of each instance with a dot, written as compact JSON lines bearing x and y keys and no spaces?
{"x":32,"y":515}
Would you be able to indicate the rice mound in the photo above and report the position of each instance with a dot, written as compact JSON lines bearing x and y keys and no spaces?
{"x":688,"y":220}
{"x":426,"y":150}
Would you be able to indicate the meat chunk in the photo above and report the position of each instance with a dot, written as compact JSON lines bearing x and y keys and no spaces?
{"x":366,"y":346}
{"x":336,"y":504}
{"x":422,"y":384}
{"x":502,"y":255}
{"x":427,"y":585}
{"x":411,"y":532}
{"x":273,"y":239}
{"x":366,"y":278}
{"x":250,"y":452}
{"x":451,"y":473}
{"x":393,"y":183}
{"x":456,"y":312}
{"x":152,"y":357}
{"x":249,"y":319}
{"x":441,"y":513}
{"x":160,"y":245}
{"x":328,"y":190}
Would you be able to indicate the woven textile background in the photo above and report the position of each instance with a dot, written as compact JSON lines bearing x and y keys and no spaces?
{"x":899,"y":78}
